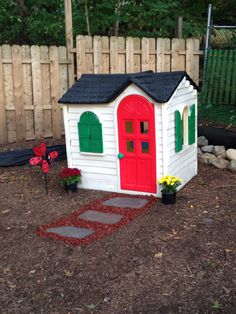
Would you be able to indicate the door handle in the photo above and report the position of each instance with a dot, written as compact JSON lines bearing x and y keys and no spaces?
{"x":120,"y":155}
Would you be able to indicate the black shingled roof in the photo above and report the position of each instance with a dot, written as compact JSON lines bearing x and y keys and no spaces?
{"x":104,"y":88}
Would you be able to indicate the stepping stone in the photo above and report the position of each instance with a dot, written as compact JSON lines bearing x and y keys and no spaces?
{"x":106,"y":218}
{"x":126,"y":202}
{"x":71,"y":232}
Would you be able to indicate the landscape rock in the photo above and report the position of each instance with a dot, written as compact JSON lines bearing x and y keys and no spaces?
{"x":206,"y":158}
{"x":231,"y":154}
{"x":220,"y":163}
{"x":218,"y":150}
{"x":222,"y":156}
{"x":199,"y":151}
{"x":202,"y":141}
{"x":232,"y":165}
{"x":207,"y":148}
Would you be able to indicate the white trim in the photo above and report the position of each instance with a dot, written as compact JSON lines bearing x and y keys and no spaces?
{"x":92,"y":154}
{"x":67,"y":135}
{"x":165,"y":151}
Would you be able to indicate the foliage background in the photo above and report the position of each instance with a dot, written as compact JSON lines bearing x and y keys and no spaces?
{"x":41,"y":22}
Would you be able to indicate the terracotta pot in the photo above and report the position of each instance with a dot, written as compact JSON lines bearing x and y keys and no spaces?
{"x":71,"y":187}
{"x":169,"y":198}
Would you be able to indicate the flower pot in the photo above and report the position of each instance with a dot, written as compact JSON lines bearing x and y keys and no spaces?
{"x":71,"y":187}
{"x":169,"y":198}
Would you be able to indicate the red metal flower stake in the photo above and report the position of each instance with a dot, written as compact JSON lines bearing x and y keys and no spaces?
{"x":43,"y":159}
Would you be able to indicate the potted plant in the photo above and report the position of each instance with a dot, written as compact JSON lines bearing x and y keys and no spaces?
{"x":70,"y":177}
{"x":168,"y":185}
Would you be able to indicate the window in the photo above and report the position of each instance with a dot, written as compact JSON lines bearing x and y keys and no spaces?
{"x":145,"y":147}
{"x":130,"y":146}
{"x":185,"y":128}
{"x":90,"y":133}
{"x":144,"y":127}
{"x":129,"y":127}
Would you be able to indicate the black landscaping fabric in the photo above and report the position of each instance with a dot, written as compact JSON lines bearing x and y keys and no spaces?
{"x":103,"y":88}
{"x":21,"y":157}
{"x":218,"y":136}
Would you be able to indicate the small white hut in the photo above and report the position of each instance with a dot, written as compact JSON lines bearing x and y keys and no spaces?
{"x":126,"y":131}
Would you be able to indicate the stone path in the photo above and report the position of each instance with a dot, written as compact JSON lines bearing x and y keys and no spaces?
{"x":72,"y":232}
{"x":106,"y":218}
{"x":126,"y":202}
{"x":98,"y":219}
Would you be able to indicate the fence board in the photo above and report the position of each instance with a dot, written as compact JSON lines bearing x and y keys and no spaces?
{"x":80,"y":55}
{"x":129,"y":55}
{"x":145,"y":54}
{"x":9,"y":94}
{"x":28,"y":90}
{"x":178,"y":60}
{"x":55,"y":83}
{"x":114,"y":48}
{"x":3,"y":122}
{"x":63,"y":81}
{"x":137,"y":55}
{"x":37,"y":91}
{"x":46,"y":96}
{"x":105,"y":55}
{"x":192,"y":59}
{"x":152,"y":56}
{"x":18,"y":92}
{"x":89,"y":65}
{"x":121,"y":56}
{"x":97,"y":46}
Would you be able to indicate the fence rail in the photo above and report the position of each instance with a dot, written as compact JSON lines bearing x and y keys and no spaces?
{"x":32,"y":78}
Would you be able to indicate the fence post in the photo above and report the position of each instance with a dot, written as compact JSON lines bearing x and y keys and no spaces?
{"x":69,"y":40}
{"x":3,"y":124}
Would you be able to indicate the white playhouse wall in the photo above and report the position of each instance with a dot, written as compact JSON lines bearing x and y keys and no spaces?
{"x":184,"y":163}
{"x":101,"y":171}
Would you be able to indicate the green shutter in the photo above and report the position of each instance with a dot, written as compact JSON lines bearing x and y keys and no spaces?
{"x":191,"y":125}
{"x":84,"y":137}
{"x":178,"y":132}
{"x":90,"y":133}
{"x":96,"y":138}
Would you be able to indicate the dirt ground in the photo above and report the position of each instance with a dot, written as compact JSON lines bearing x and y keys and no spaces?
{"x":173,"y":259}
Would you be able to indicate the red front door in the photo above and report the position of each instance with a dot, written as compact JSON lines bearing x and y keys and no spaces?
{"x":137,"y":149}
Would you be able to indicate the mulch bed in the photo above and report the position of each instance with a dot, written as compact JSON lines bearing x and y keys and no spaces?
{"x":100,"y":229}
{"x":172,"y":259}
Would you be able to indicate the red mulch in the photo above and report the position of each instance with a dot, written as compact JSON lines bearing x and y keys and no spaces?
{"x":100,"y":229}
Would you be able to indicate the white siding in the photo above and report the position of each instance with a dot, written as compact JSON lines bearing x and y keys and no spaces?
{"x":182,"y":164}
{"x":99,"y":171}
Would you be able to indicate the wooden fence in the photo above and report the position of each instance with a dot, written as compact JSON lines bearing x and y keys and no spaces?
{"x":101,"y":54}
{"x":31,"y":81}
{"x":32,"y":78}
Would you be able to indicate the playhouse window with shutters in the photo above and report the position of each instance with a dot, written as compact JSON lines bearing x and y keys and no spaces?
{"x":90,"y":133}
{"x":183,"y":136}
